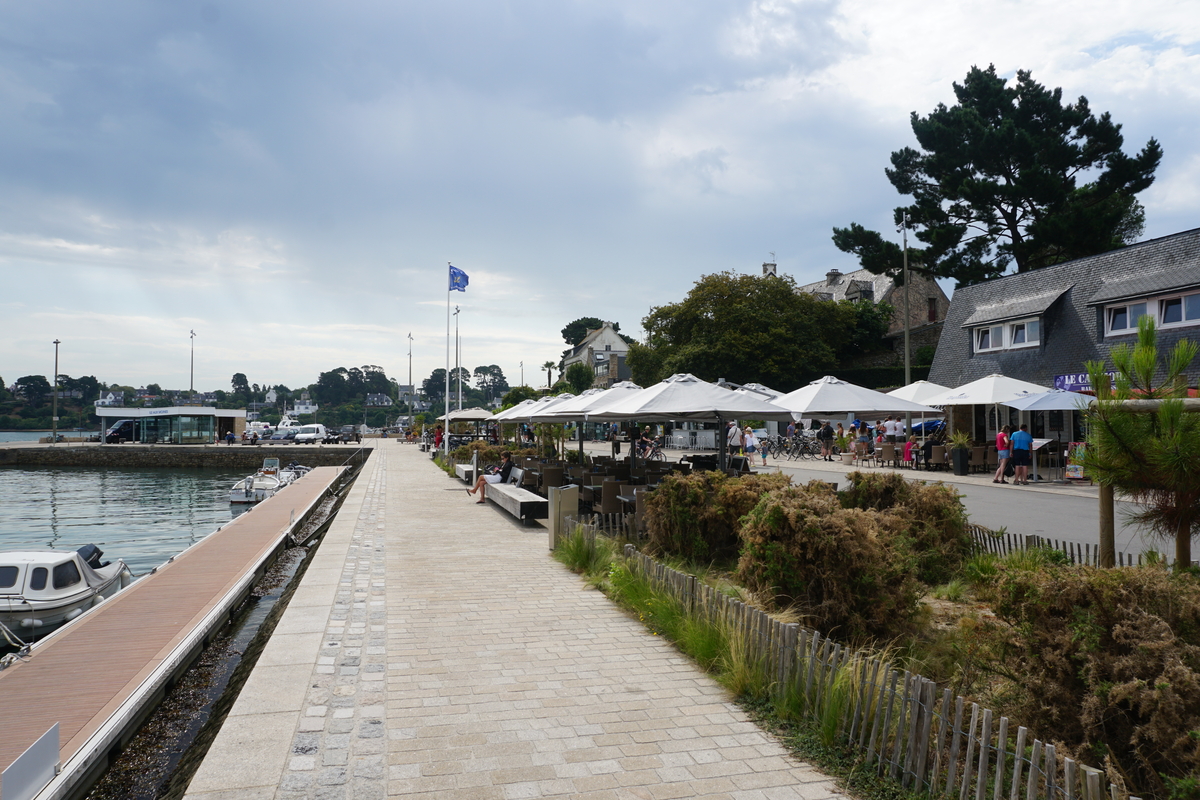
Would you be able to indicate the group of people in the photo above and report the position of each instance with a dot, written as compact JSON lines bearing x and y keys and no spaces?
{"x":743,"y":441}
{"x":1016,"y":446}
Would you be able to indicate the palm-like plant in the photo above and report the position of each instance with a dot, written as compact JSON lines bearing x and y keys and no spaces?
{"x":1150,"y":454}
{"x":548,"y":366}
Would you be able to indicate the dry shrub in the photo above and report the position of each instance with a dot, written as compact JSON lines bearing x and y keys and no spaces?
{"x":846,"y":568}
{"x":696,"y":516}
{"x":936,"y":519}
{"x":1109,"y":662}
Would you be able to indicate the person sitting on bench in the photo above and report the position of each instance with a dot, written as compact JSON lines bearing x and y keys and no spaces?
{"x":506,"y":466}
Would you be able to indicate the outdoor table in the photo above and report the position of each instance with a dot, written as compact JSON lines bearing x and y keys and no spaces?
{"x":628,"y":499}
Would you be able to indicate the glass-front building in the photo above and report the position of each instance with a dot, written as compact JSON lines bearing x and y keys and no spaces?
{"x":173,"y":425}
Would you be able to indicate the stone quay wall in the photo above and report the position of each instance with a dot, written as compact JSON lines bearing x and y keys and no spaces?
{"x":242,"y":457}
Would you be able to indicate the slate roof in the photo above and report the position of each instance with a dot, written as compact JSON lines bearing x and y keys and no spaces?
{"x":1014,"y":308}
{"x":1072,"y":322}
{"x":850,"y":283}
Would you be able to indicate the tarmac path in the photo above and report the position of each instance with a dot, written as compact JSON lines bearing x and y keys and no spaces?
{"x":435,"y":649}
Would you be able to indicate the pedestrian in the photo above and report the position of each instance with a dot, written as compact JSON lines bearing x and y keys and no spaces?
{"x":437,"y":437}
{"x":891,"y":429}
{"x":841,"y":432}
{"x":825,"y":437}
{"x":498,"y":476}
{"x":733,"y":438}
{"x":1022,"y":455}
{"x":1003,"y":453}
{"x":750,"y":443}
{"x":229,"y":439}
{"x":791,"y":430}
{"x":614,"y":436}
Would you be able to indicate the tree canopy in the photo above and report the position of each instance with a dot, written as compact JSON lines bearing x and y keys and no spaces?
{"x":749,"y":328}
{"x":1009,"y":175}
{"x":579,"y":377}
{"x":574,"y":332}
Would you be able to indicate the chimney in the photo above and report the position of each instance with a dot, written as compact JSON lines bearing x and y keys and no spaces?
{"x":831,"y":277}
{"x":768,"y":268}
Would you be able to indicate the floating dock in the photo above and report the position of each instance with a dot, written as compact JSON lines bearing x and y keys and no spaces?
{"x":98,"y":677}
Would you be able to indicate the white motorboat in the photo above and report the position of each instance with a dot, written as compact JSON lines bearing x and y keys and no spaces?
{"x":40,"y":590}
{"x":269,"y":479}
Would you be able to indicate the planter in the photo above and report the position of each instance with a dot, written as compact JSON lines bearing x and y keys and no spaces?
{"x":961,"y":461}
{"x":847,"y":458}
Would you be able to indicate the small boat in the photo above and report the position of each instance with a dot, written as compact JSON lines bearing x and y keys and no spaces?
{"x":266,"y":482}
{"x":41,"y":590}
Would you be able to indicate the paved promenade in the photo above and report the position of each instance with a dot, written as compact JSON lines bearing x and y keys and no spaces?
{"x":434,"y":649}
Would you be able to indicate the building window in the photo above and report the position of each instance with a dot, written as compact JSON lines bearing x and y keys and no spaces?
{"x":1125,"y":318}
{"x":1009,"y":336}
{"x":1168,"y":312}
{"x":1024,"y":334}
{"x":1184,"y":310}
{"x":990,"y":338}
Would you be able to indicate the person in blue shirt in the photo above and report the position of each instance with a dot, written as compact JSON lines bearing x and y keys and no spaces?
{"x":1022,"y":455}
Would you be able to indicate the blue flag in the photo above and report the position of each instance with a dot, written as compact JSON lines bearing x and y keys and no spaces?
{"x":458,"y":279}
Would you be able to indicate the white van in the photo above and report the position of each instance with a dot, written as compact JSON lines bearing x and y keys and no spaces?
{"x":311,"y":434}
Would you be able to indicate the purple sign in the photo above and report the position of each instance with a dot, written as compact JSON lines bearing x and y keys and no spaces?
{"x":1077,"y":381}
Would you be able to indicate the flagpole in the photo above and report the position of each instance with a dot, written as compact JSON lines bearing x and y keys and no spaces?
{"x":446,"y":404}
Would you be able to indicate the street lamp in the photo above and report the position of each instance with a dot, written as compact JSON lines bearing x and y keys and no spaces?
{"x":907,"y":292}
{"x":54,"y":411}
{"x":192,"y":377}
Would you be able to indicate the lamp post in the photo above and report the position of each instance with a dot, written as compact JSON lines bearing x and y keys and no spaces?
{"x":192,"y":374}
{"x":411,"y":388}
{"x":522,"y":373}
{"x":54,"y":401}
{"x":457,"y":365}
{"x":907,"y":291}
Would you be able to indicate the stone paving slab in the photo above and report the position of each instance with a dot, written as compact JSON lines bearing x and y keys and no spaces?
{"x":458,"y":660}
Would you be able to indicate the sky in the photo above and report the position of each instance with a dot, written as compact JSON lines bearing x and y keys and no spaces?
{"x":289,"y":180}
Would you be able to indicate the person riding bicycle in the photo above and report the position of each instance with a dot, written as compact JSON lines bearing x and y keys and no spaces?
{"x":645,"y":442}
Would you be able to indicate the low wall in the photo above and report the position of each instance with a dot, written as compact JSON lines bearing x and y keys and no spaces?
{"x":217,"y":456}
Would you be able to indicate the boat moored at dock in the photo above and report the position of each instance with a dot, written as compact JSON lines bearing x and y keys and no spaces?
{"x":41,"y":590}
{"x":264,"y":483}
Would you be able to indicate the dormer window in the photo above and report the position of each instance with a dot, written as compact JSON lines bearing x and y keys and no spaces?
{"x":1122,"y":319}
{"x":1167,"y":310}
{"x":1009,"y":336}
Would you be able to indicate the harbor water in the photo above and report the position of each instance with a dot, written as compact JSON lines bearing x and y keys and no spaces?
{"x":145,"y":516}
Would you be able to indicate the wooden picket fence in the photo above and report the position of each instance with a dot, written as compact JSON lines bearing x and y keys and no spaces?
{"x":905,"y":727}
{"x":1003,"y":544}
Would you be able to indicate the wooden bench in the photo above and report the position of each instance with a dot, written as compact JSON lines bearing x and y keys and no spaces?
{"x":465,"y":471}
{"x":521,"y":503}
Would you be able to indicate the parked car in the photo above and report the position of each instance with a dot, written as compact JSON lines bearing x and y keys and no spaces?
{"x":285,"y":435}
{"x":120,"y":431}
{"x":312,"y":434}
{"x":349,"y":433}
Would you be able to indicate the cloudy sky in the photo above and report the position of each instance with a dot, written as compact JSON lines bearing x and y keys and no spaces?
{"x":290,"y":179}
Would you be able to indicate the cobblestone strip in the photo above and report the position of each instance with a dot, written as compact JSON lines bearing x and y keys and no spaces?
{"x":338,"y":749}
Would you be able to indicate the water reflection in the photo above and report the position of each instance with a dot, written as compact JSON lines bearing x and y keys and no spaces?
{"x":142,"y":515}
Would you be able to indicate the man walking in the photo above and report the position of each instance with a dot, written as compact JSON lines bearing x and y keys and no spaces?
{"x":1022,"y":455}
{"x":733,"y":438}
{"x":825,"y":435}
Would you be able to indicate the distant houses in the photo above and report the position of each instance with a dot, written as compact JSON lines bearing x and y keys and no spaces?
{"x":604,"y":351}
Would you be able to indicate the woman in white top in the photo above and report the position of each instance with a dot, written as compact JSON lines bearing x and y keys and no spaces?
{"x":750,"y":445}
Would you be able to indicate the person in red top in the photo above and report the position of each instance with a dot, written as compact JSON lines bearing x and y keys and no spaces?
{"x":1003,"y":452}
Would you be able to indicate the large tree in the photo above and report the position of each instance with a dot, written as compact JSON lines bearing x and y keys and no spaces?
{"x":574,"y":332}
{"x":33,"y":389}
{"x":745,"y":328}
{"x":1009,"y":176}
{"x":490,"y":380}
